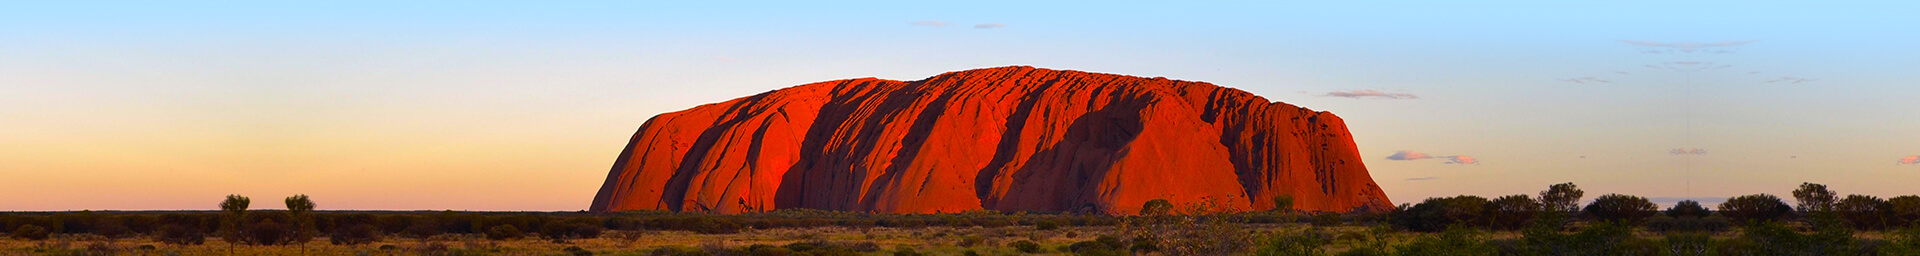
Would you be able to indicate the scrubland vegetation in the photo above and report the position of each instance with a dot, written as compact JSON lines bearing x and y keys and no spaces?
{"x":1552,"y":222}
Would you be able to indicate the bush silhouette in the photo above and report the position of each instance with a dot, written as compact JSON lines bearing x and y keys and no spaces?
{"x":1511,"y":212}
{"x":354,"y":234}
{"x":1621,"y":208}
{"x":1904,"y":211}
{"x":1156,"y":207}
{"x":1814,"y":197}
{"x":269,"y":232}
{"x":1864,"y":212}
{"x":1436,"y":214}
{"x":503,"y":232}
{"x":1026,"y":246}
{"x":1561,"y":198}
{"x":1327,"y":219}
{"x":1754,"y":208}
{"x":30,"y":232}
{"x":1688,"y":208}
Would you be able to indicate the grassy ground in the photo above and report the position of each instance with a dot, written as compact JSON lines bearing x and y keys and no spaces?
{"x":932,"y":241}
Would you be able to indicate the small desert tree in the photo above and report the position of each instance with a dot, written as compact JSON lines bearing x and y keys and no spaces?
{"x":1814,"y":198}
{"x":1557,"y":203}
{"x":1563,"y":197}
{"x":234,"y":212}
{"x":300,"y":209}
{"x":1283,"y":203}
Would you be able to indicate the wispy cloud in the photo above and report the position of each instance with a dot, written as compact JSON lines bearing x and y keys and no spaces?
{"x":929,"y":23}
{"x":1687,"y":151}
{"x":1423,"y":178}
{"x":1687,"y":46}
{"x":1583,"y":80}
{"x":1915,"y":159}
{"x":1405,"y":155}
{"x":1791,"y":80}
{"x":1688,"y":66}
{"x":989,"y":26}
{"x":1363,"y":94}
{"x":1461,"y":159}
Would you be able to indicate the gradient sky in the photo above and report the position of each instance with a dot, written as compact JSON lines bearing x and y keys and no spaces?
{"x":491,"y":106}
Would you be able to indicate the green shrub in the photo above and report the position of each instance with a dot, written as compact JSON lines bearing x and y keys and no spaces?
{"x":677,"y":251}
{"x":503,"y":232}
{"x":180,"y":234}
{"x":1046,"y":225}
{"x":1156,"y":207}
{"x":1306,"y":243}
{"x":1775,"y":238}
{"x":768,"y":250}
{"x":30,"y":232}
{"x":1604,"y":238}
{"x":1283,"y":203}
{"x":354,"y":235}
{"x":906,"y":251}
{"x":1327,"y":219}
{"x":1458,"y":240}
{"x":1101,"y":246}
{"x":577,"y":251}
{"x":1688,"y":224}
{"x":1026,"y":246}
{"x":1141,"y":245}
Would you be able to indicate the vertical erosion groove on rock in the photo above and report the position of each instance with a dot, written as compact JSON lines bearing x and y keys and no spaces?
{"x":1007,"y":139}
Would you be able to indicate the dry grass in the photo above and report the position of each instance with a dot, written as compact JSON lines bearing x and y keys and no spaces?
{"x":931,"y":240}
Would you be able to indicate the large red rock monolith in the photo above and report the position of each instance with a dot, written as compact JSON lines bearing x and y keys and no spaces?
{"x":1007,"y":139}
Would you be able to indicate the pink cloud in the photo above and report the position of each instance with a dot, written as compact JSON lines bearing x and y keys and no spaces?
{"x":1461,"y":159}
{"x":1405,"y":155}
{"x":1362,"y":94}
{"x":1910,"y":160}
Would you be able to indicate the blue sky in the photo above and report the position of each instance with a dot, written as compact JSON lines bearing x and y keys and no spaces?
{"x":439,"y":105}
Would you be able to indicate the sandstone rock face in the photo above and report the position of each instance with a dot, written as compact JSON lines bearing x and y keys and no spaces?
{"x":1006,"y":139}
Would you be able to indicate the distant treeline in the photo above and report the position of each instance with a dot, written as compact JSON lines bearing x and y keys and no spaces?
{"x":1556,"y":208}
